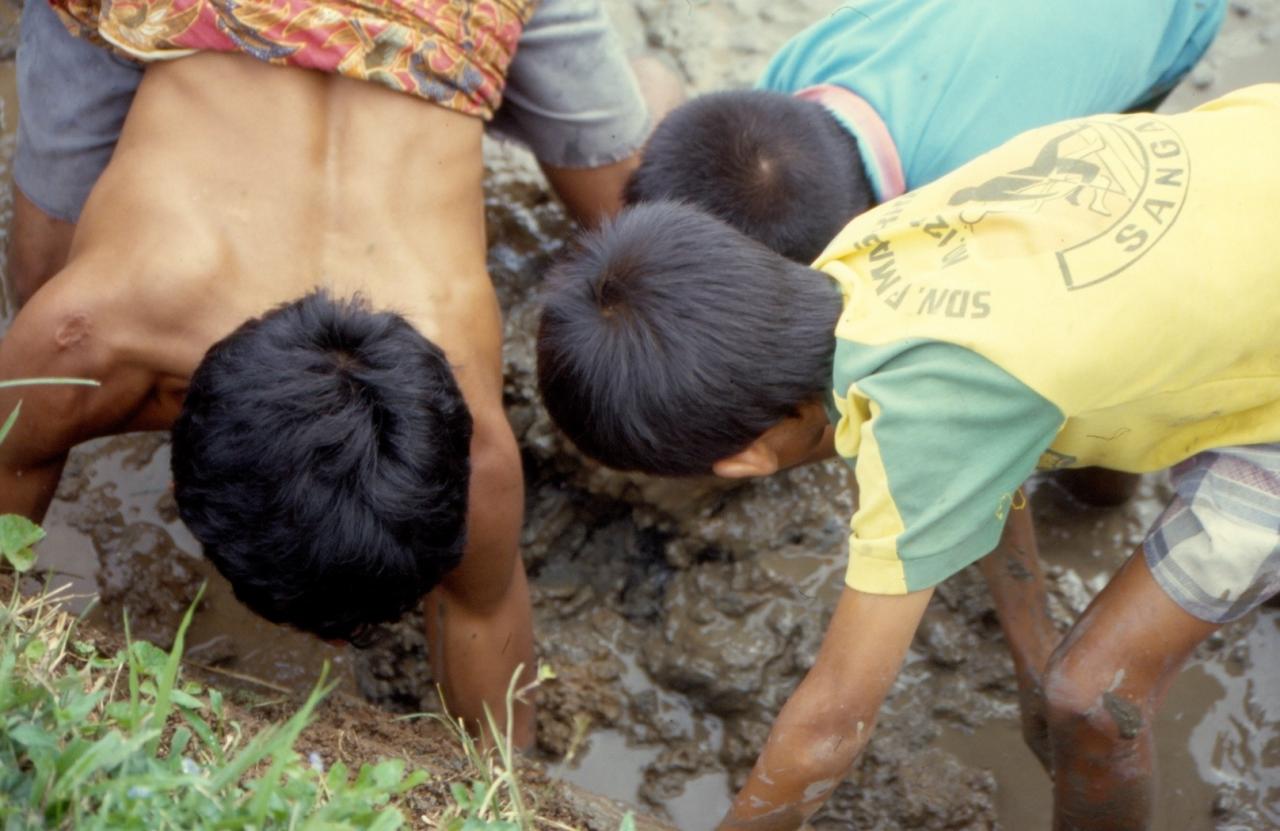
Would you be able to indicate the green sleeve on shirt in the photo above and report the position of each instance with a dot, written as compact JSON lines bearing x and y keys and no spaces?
{"x":947,"y":437}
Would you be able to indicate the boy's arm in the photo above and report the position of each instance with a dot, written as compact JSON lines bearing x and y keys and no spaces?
{"x":59,"y":335}
{"x":592,"y":194}
{"x":828,"y":719}
{"x":479,"y":619}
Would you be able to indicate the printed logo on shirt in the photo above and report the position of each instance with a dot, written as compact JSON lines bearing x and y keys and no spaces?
{"x":1115,"y":186}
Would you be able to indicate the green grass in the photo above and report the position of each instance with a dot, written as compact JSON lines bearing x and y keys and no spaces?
{"x":121,"y":742}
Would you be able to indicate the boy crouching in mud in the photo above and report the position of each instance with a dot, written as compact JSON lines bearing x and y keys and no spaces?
{"x":881,"y":97}
{"x":287,"y":267}
{"x":1096,"y":292}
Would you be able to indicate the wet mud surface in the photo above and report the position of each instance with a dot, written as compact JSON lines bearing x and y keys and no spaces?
{"x":679,"y":615}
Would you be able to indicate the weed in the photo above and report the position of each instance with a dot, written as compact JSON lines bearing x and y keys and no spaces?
{"x":93,"y":742}
{"x":494,"y":799}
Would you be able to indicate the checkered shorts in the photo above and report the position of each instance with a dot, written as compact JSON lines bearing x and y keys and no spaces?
{"x":1216,"y":548}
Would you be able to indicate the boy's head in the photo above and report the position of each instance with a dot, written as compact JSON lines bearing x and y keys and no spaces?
{"x":322,"y":459}
{"x":778,"y":168}
{"x":670,"y":342}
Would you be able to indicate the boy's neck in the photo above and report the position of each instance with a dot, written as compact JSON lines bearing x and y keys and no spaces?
{"x":874,"y":154}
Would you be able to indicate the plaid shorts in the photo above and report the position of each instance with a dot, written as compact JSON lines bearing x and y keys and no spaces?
{"x":1216,"y":548}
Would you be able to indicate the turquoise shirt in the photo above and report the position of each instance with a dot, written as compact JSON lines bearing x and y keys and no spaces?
{"x":953,"y":79}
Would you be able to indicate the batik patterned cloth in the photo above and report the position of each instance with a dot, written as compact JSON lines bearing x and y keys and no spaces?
{"x":450,"y":52}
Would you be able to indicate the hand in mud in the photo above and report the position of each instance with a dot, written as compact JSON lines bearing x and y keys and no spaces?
{"x":1035,"y":719}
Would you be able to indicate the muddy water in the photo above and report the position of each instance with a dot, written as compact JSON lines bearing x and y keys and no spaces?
{"x":680,"y":615}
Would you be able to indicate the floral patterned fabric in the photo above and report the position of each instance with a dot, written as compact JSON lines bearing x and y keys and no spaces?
{"x":451,"y":52}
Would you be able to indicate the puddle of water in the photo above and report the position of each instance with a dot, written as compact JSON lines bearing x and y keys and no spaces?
{"x":1187,"y":733}
{"x":612,"y":766}
{"x":703,"y":803}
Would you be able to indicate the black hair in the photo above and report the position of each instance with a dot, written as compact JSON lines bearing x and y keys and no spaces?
{"x":669,"y":340}
{"x":780,"y":169}
{"x":322,"y":458}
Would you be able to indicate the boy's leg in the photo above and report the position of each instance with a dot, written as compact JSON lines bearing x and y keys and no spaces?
{"x":1212,"y":556}
{"x":73,"y":98}
{"x":1103,"y":688}
{"x":1016,"y":581}
{"x":1098,"y":486}
{"x":584,"y":110}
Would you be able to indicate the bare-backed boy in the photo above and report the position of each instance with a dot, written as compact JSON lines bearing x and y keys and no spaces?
{"x":287,"y":266}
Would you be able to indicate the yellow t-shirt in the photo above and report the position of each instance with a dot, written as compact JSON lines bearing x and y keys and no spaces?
{"x":1104,"y":291}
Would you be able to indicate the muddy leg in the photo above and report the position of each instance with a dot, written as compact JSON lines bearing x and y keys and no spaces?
{"x":1104,"y":685}
{"x":1016,"y":581}
{"x":38,"y":246}
{"x":1098,"y":486}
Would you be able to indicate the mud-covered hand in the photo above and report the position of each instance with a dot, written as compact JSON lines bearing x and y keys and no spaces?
{"x":828,"y":719}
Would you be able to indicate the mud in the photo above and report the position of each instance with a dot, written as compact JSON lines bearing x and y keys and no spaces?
{"x":679,"y":615}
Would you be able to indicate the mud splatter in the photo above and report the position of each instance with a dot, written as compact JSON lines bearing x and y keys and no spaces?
{"x":1125,"y":714}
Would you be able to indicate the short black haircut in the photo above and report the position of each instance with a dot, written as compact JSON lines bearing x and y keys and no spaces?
{"x":778,"y":168}
{"x":322,"y":458}
{"x":669,"y":340}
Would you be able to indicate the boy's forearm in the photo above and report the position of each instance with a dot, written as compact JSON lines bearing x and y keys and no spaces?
{"x":800,"y":766}
{"x":474,"y":656}
{"x":27,"y":491}
{"x":828,"y":720}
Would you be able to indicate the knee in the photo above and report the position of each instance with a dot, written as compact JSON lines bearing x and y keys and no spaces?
{"x":1090,"y":708}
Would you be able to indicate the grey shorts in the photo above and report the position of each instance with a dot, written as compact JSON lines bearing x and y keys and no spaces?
{"x":571,"y":98}
{"x":1216,"y":549}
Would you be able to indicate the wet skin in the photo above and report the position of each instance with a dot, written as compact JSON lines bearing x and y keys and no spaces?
{"x":1087,"y":701}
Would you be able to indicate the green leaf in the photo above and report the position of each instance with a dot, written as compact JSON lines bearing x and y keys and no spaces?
{"x":628,"y":822}
{"x":178,"y":744}
{"x":337,"y":777}
{"x":460,"y":794}
{"x":17,"y":535}
{"x":388,"y":820}
{"x":201,"y":728}
{"x":35,"y":650}
{"x":10,"y":421}
{"x":215,"y":702}
{"x":38,"y":382}
{"x":411,"y":781}
{"x":32,"y":737}
{"x":388,"y":774}
{"x":186,"y":700}
{"x":150,"y":659}
{"x":473,"y":824}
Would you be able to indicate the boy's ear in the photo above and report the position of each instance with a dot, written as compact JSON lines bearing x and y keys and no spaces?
{"x":756,"y":459}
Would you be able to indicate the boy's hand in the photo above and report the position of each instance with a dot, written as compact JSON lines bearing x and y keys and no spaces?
{"x":828,"y":719}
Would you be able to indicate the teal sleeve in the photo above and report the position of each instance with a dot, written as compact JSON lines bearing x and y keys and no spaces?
{"x":953,"y":437}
